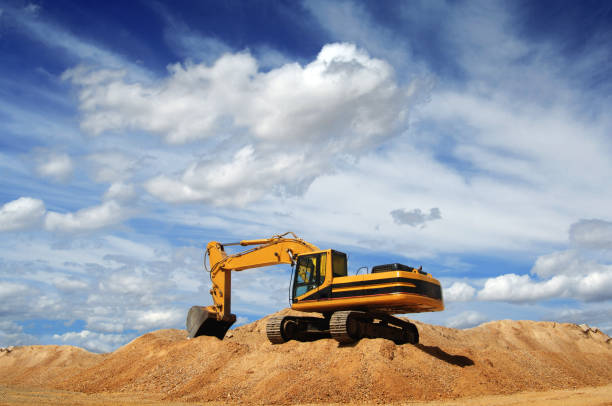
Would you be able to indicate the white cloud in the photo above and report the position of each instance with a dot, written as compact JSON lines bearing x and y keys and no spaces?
{"x":557,"y":263}
{"x":23,"y":213}
{"x":260,"y":291}
{"x":562,"y":274}
{"x":350,"y":21}
{"x":280,"y":121}
{"x":466,"y":319}
{"x":123,"y":283}
{"x":415,"y":217}
{"x":488,"y":151}
{"x":128,"y":248}
{"x":592,"y":234}
{"x":9,"y":290}
{"x":245,"y":177}
{"x":459,"y":292}
{"x":111,"y":166}
{"x":18,"y":298}
{"x":587,"y":286}
{"x":519,"y":288}
{"x":12,"y":334}
{"x":56,"y":166}
{"x":240,"y":320}
{"x":120,"y":192}
{"x":107,"y":214}
{"x":92,"y":341}
{"x":119,"y":285}
{"x":155,"y":318}
{"x":67,"y":284}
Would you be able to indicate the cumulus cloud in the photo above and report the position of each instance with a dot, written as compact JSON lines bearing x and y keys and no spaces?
{"x":587,"y":286}
{"x":459,"y":292}
{"x":288,"y":125}
{"x":104,"y":334}
{"x":120,"y":192}
{"x":592,"y":234}
{"x":91,"y":218}
{"x":118,"y":288}
{"x":557,"y":263}
{"x":92,"y":341}
{"x":23,"y":213}
{"x":55,"y":166}
{"x":561,"y":274}
{"x":18,"y":298}
{"x":155,"y":318}
{"x":415,"y":217}
{"x":466,"y":319}
{"x":12,"y":333}
{"x":339,"y":90}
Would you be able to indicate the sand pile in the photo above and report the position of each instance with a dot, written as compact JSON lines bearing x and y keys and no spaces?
{"x":497,"y":357}
{"x":38,"y":365}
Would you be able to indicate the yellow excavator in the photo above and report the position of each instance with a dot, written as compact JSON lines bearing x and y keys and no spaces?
{"x":352,"y":307}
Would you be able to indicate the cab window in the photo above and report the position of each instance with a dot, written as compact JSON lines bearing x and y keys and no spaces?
{"x":310,"y":273}
{"x":339,"y":263}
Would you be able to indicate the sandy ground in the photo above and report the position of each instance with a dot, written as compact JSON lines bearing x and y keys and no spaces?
{"x":523,"y":361}
{"x":597,"y":396}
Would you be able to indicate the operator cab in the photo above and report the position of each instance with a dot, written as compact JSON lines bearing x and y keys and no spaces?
{"x":311,"y":270}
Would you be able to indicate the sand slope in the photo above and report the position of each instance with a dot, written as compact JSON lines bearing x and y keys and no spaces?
{"x":500,"y":357}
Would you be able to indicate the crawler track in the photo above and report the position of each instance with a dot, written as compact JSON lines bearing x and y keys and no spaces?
{"x":346,"y":326}
{"x":274,"y":330}
{"x":285,"y":328}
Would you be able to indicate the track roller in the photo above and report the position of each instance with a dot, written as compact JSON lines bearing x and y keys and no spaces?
{"x":281,"y":329}
{"x":345,"y":327}
{"x":351,"y":326}
{"x":274,"y":330}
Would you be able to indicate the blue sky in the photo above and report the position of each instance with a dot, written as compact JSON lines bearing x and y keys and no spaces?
{"x":468,"y":137}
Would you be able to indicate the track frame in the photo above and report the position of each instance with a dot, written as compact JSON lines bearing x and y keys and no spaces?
{"x":347,"y":326}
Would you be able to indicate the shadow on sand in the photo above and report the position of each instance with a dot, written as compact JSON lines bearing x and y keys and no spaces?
{"x":439,"y":353}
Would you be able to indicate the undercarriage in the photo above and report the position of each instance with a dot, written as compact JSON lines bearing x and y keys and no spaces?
{"x":344,"y":326}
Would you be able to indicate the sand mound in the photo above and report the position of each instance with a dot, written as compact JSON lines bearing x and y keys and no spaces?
{"x":497,"y":357}
{"x":42,"y":365}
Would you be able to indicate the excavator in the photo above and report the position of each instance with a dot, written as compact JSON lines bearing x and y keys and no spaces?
{"x":350,"y":307}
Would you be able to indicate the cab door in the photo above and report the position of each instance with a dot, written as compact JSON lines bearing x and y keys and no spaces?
{"x":310,"y":272}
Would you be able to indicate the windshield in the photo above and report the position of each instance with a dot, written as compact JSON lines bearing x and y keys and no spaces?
{"x":309,"y":273}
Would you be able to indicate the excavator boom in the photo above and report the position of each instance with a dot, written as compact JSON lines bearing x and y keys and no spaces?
{"x":215,"y":320}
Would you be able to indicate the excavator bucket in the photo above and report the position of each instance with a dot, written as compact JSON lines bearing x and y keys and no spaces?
{"x":201,"y":321}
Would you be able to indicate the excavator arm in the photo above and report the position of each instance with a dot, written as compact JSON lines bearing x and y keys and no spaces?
{"x":215,"y":320}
